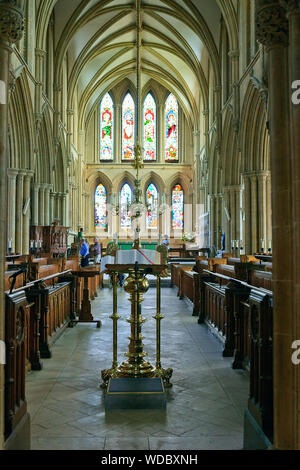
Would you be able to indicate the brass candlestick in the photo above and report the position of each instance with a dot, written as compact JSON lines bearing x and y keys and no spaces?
{"x":136,"y":285}
{"x":115,"y":317}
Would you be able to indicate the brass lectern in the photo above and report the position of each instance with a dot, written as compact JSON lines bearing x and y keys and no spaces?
{"x":136,"y":285}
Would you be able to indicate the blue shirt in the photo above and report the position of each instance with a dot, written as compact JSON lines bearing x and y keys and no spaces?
{"x":84,"y":249}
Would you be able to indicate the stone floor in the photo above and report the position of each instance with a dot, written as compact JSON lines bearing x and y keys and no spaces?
{"x":204,"y":408}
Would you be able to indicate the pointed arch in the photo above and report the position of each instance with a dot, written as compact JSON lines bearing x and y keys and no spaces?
{"x":152,"y":201}
{"x":128,"y":127}
{"x":106,"y":128}
{"x":171,"y":129}
{"x":100,"y":207}
{"x":150,"y":128}
{"x":126,"y":198}
{"x":177,"y":217}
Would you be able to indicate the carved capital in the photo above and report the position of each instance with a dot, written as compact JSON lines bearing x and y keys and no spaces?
{"x":11,"y":22}
{"x":292,"y":6}
{"x":271,"y":23}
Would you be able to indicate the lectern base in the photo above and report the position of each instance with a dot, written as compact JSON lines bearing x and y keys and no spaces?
{"x":131,"y":393}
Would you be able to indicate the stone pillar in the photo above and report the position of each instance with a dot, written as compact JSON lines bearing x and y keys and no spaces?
{"x":269,"y":209}
{"x":247,"y":202}
{"x":117,"y":134}
{"x":42,"y":204}
{"x":161,"y":134}
{"x":272,"y":31}
{"x":64,"y":209}
{"x":19,"y":211}
{"x":11,"y":29}
{"x":227,"y":220}
{"x":233,"y":213}
{"x":293,"y":8}
{"x":12,"y":176}
{"x":254,"y":241}
{"x":51,"y":209}
{"x":262,"y":204}
{"x":47,"y":205}
{"x":26,"y":216}
{"x":35,"y":204}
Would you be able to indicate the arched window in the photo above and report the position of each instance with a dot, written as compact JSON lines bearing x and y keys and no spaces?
{"x":177,"y":207}
{"x":128,"y":118}
{"x":125,"y":201}
{"x":171,"y":137}
{"x":106,"y":128}
{"x":152,"y":211}
{"x":149,"y":114}
{"x":100,"y":207}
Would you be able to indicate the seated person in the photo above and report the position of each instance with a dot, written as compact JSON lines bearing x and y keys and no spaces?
{"x":166,"y":241}
{"x":97,"y":251}
{"x":85,"y":253}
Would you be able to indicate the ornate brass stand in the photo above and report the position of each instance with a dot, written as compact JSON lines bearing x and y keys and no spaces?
{"x":136,"y":285}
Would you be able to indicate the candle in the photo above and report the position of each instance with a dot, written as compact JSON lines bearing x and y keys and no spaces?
{"x":263,"y":243}
{"x":31,"y":243}
{"x":9,"y":243}
{"x":35,"y":244}
{"x":270,"y":245}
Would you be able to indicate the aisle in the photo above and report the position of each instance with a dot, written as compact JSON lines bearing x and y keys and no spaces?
{"x":204,"y":409}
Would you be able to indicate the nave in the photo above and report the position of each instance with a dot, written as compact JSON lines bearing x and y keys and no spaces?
{"x":205,"y":406}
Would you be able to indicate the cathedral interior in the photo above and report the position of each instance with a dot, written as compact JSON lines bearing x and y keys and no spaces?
{"x":167,"y":133}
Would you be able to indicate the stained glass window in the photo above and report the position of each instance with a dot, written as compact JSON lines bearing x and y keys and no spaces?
{"x":171,"y":137}
{"x":128,"y":115}
{"x":125,"y":201}
{"x":152,"y":211}
{"x":149,"y":128}
{"x":177,"y":207}
{"x":106,"y":128}
{"x":100,"y":207}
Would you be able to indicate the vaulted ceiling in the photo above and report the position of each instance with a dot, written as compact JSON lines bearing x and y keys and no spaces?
{"x":179,"y":38}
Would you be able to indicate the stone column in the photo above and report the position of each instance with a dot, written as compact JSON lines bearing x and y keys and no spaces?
{"x":254,"y":241}
{"x":12,"y":176}
{"x":227,"y":220}
{"x":272,"y":31}
{"x":247,"y":199}
{"x":64,"y":209}
{"x":211,"y":220}
{"x":262,"y":204}
{"x":47,"y":205}
{"x":233,"y":213}
{"x":117,"y":134}
{"x":161,"y":134}
{"x":293,"y":8}
{"x":26,"y":216}
{"x":42,"y":204}
{"x":11,"y":30}
{"x":19,"y":211}
{"x":269,"y":209}
{"x":35,"y":204}
{"x":58,"y":207}
{"x":51,"y":209}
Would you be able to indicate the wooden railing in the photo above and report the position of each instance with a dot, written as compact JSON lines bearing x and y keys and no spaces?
{"x":242,"y":315}
{"x":16,"y":313}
